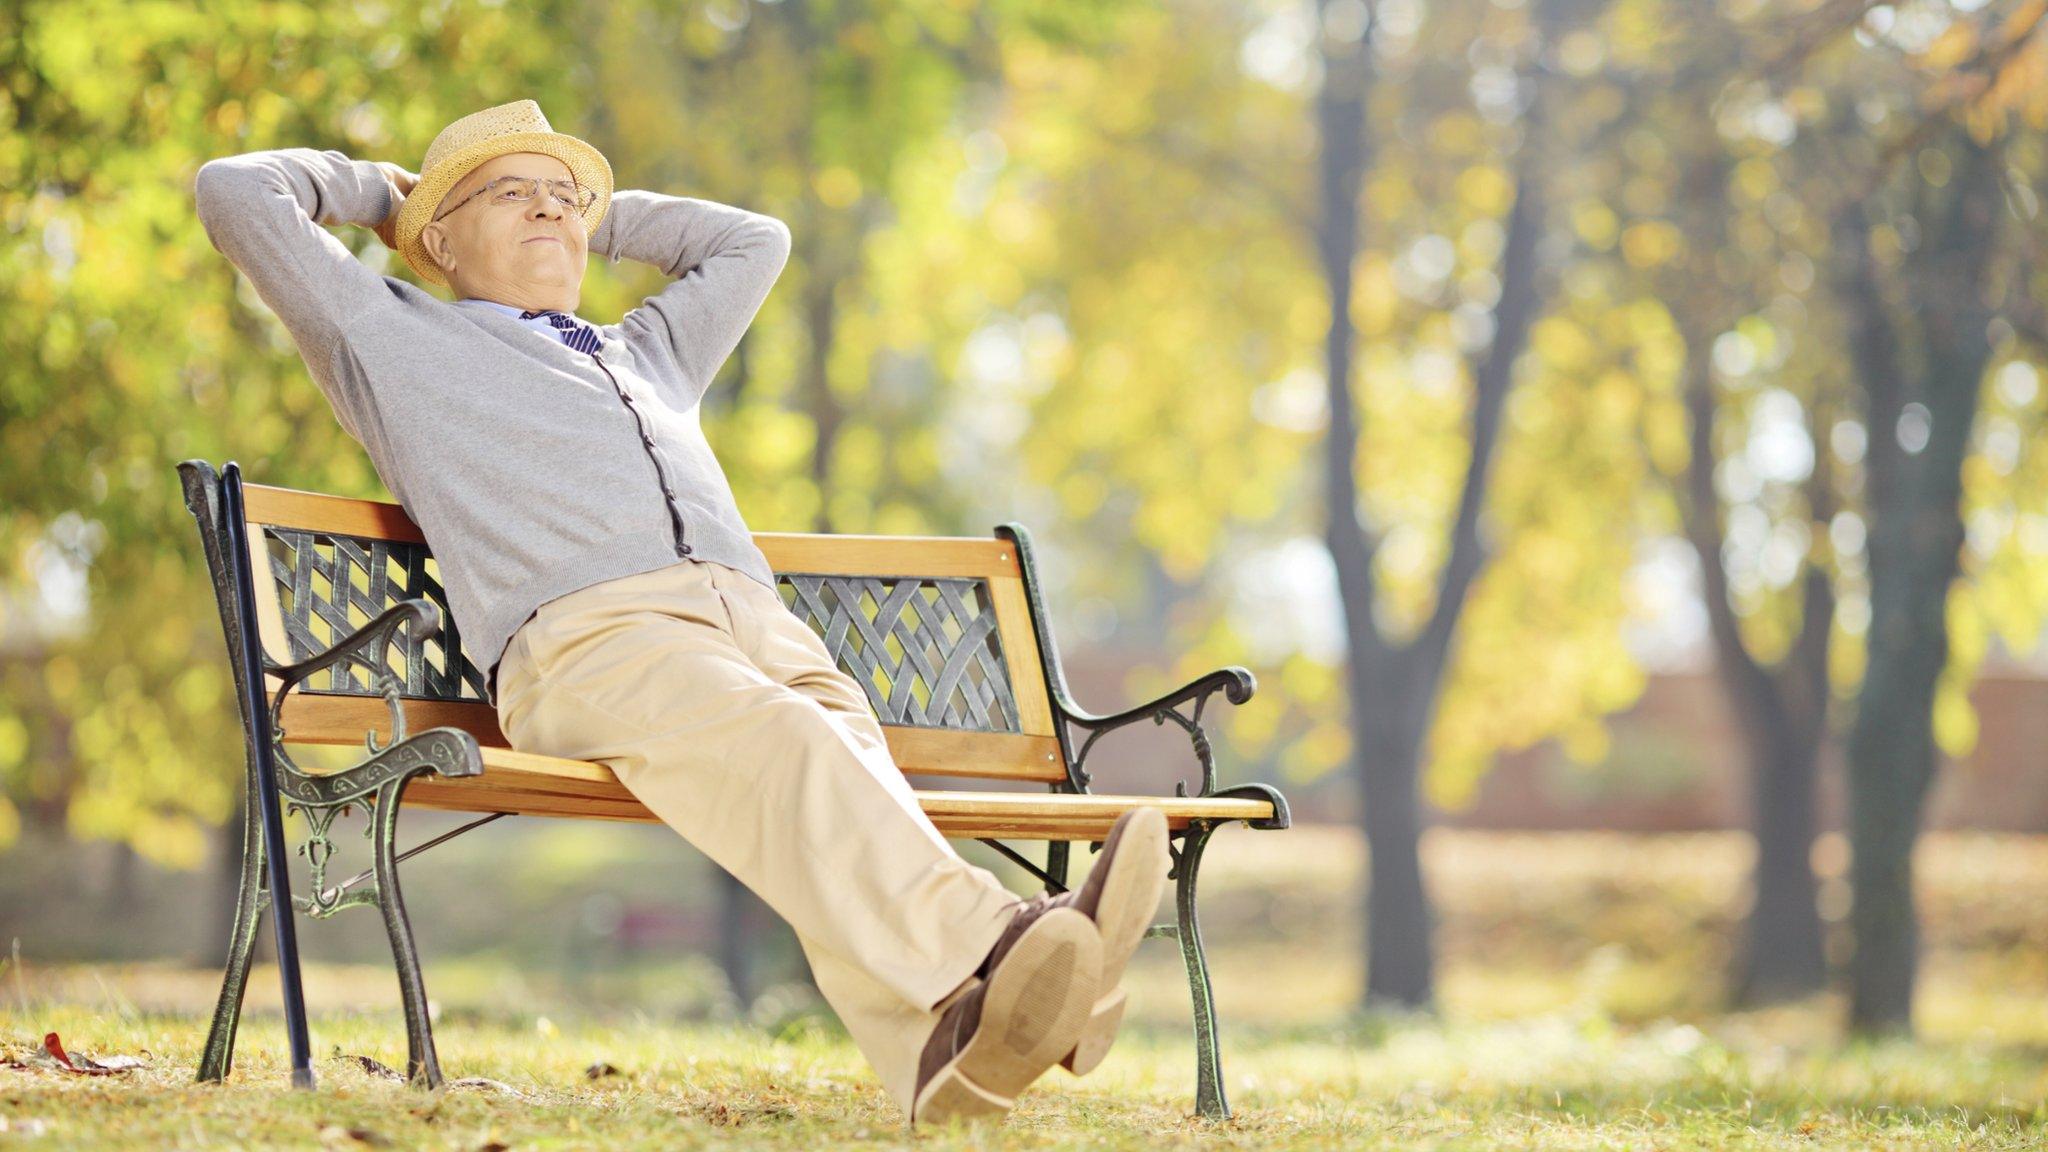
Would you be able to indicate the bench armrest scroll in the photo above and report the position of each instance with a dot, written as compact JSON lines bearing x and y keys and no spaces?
{"x":365,"y":648}
{"x":1237,"y":685}
{"x":366,"y":644}
{"x":447,"y":752}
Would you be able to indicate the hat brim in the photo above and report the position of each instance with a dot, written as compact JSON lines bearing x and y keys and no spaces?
{"x":586,"y":164}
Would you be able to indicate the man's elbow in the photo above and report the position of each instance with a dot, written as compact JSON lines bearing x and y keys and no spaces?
{"x":776,"y":242}
{"x":216,"y":187}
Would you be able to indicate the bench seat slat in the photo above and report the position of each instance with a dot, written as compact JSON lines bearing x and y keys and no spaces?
{"x":546,"y":786}
{"x":323,"y":718}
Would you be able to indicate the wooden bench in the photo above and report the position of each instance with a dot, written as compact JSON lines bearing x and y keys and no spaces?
{"x":947,"y":634}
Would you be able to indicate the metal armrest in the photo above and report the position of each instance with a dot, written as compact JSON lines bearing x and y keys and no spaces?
{"x":364,"y":646}
{"x":1235,"y":682}
{"x":447,"y":752}
{"x":1237,"y":685}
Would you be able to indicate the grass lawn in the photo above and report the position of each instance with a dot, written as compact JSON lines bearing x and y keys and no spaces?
{"x":1578,"y":1011}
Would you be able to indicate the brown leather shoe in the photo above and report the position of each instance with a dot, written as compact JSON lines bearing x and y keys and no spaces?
{"x":1033,"y":994}
{"x":1121,"y":894}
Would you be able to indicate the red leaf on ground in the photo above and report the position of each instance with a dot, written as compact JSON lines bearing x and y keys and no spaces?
{"x":83,"y":1065}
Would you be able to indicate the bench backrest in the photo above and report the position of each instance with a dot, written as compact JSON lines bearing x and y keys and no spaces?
{"x":937,"y":629}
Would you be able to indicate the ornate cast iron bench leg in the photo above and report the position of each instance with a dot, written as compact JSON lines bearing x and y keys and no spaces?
{"x":1209,"y":1098}
{"x":250,"y":900}
{"x":377,"y":784}
{"x":422,"y":1064}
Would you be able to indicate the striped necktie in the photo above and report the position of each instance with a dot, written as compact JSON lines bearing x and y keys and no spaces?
{"x":580,"y":336}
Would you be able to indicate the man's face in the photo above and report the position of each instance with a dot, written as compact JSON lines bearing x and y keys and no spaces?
{"x":528,"y":254}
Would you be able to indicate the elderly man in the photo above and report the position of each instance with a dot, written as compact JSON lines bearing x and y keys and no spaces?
{"x":596,"y":563}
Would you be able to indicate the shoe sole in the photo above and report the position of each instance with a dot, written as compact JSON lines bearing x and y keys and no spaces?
{"x":1037,"y":1001}
{"x":1130,"y":895}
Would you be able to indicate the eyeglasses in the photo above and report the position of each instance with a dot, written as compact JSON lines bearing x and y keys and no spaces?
{"x":519,"y":189}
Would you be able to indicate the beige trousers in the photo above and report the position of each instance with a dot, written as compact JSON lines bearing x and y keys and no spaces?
{"x":724,"y":714}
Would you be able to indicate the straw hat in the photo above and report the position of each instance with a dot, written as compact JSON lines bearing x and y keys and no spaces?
{"x":461,"y":146}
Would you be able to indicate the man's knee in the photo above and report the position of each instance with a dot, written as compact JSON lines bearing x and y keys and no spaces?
{"x":790,"y":718}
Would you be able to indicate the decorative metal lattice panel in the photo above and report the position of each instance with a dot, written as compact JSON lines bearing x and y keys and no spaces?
{"x":329,"y":586}
{"x":926,"y":648}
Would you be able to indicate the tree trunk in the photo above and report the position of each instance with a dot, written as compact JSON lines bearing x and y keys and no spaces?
{"x":1781,"y":956}
{"x":1781,"y":710}
{"x":1920,"y":426}
{"x":1399,"y":923}
{"x":738,"y":936}
{"x":1394,"y":686}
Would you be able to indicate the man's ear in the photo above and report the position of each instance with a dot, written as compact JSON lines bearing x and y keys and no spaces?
{"x":434,"y":238}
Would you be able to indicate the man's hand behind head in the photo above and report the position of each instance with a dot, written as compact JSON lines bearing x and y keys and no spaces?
{"x":402,"y":183}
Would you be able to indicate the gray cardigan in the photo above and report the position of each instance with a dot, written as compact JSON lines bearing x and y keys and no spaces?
{"x":532,"y":469}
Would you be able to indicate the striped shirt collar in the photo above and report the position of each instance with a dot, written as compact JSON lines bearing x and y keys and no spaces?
{"x":537,"y":323}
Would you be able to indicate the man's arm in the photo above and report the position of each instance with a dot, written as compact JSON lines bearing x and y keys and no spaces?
{"x":724,"y":259}
{"x":264,"y":211}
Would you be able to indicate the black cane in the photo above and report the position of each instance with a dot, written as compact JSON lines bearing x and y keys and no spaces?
{"x":281,"y":911}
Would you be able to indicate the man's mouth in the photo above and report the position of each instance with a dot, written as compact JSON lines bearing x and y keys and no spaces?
{"x":549,"y":239}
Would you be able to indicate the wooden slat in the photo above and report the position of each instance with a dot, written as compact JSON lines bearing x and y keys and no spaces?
{"x":546,"y":786}
{"x":319,"y":512}
{"x":975,"y":755}
{"x":314,"y":719}
{"x":837,"y":554}
{"x":1020,"y":654}
{"x":449,"y":796}
{"x":847,"y":555}
{"x":269,"y":613}
{"x":318,"y":719}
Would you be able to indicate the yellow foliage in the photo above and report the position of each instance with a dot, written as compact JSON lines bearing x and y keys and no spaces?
{"x":1596,"y":224}
{"x":1586,"y":741}
{"x":1452,"y":782}
{"x":1650,"y":243}
{"x":1754,"y":179}
{"x":1486,"y":190}
{"x":13,"y":742}
{"x":1955,"y":718}
{"x":1375,"y":304}
{"x":837,"y":186}
{"x":1325,"y":748}
{"x":1563,"y":345}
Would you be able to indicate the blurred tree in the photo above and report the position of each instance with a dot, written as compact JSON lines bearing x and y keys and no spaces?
{"x":1750,"y":143}
{"x":148,"y":350}
{"x":1395,"y":682}
{"x":1919,"y":319}
{"x":1155,"y":227}
{"x":1695,"y":236}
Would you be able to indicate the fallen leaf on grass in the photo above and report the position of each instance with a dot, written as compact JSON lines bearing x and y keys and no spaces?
{"x":84,"y":1066}
{"x":489,"y":1085}
{"x":340,"y":1136}
{"x":371,"y":1066}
